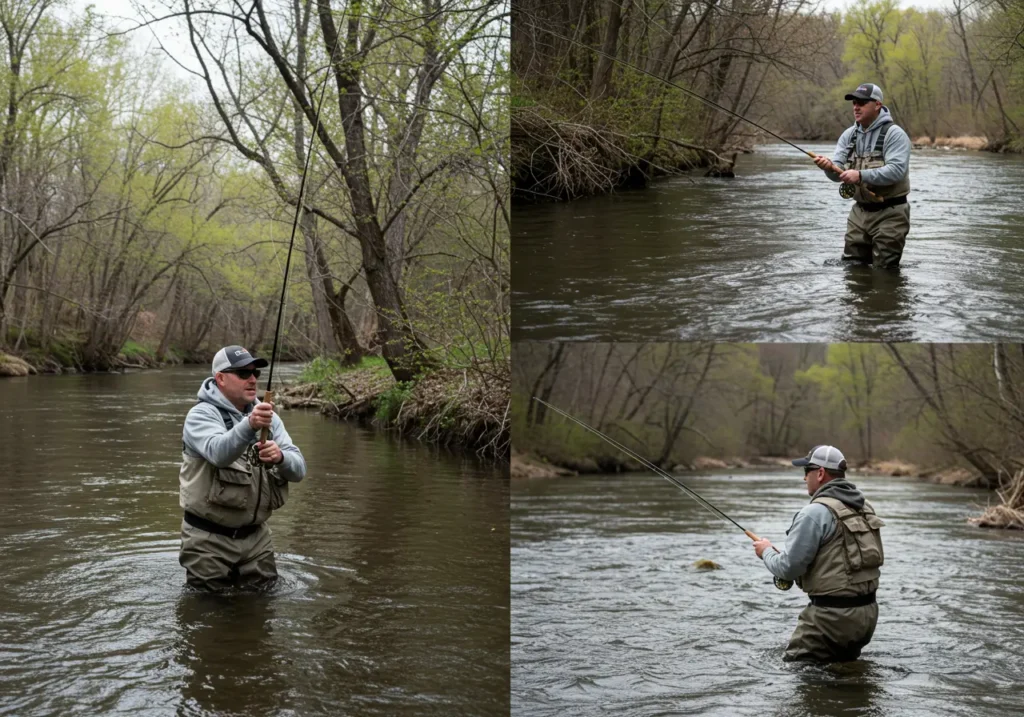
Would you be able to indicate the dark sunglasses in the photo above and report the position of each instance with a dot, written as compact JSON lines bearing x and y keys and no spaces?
{"x":811,"y":469}
{"x":861,"y":103}
{"x":245,"y":373}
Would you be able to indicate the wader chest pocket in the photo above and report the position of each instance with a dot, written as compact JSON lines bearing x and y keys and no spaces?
{"x":231,"y":488}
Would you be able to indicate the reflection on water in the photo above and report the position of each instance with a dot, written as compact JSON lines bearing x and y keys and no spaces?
{"x":878,"y":304}
{"x":393,"y":561}
{"x":224,"y":643}
{"x":754,"y":258}
{"x":609,"y":614}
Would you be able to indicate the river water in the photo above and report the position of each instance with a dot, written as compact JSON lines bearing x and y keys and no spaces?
{"x":755,"y":258}
{"x":609,"y":615}
{"x":393,"y":596}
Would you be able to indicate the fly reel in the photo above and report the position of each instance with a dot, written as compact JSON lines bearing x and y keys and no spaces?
{"x":783,"y":584}
{"x":847,"y":190}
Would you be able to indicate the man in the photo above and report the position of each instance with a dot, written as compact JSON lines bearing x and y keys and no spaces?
{"x":230,"y":480}
{"x":874,"y":156}
{"x":833,"y":551}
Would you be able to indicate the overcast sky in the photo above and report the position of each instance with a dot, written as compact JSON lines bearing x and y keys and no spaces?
{"x":143,"y":38}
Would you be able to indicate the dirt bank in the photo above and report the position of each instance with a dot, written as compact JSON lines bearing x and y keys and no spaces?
{"x":458,"y":408}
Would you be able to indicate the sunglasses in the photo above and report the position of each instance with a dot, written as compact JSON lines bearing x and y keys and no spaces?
{"x":245,"y":373}
{"x":861,"y":103}
{"x":811,"y":469}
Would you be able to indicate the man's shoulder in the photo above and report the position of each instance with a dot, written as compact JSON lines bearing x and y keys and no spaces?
{"x":205,"y":411}
{"x":817,"y":511}
{"x":896,"y":131}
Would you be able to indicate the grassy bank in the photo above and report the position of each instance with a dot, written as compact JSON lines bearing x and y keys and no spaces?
{"x":465,"y":408}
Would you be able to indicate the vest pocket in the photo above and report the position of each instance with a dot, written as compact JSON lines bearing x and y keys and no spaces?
{"x":862,"y":542}
{"x":230,"y":488}
{"x":278,"y":491}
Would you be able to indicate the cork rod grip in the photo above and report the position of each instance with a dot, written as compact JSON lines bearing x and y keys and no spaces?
{"x":268,"y":397}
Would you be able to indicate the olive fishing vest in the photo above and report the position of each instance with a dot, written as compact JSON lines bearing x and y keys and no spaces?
{"x":847,"y":563}
{"x":242,"y":493}
{"x":873,"y":160}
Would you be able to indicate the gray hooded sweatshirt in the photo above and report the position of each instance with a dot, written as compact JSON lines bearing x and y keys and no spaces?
{"x":896,"y":150}
{"x":811,"y":527}
{"x":205,"y":436}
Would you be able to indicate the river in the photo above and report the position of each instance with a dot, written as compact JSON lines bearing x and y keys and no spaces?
{"x":609,"y":615}
{"x":755,"y":258}
{"x":393,"y":556}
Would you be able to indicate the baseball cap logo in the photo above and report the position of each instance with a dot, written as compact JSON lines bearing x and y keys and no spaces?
{"x":241,"y":352}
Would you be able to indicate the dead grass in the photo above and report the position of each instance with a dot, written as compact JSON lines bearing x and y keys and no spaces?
{"x":1009,"y":515}
{"x":14,"y":366}
{"x":966,"y":142}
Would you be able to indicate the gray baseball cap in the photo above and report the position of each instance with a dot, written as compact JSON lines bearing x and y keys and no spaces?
{"x":232,"y":357}
{"x":867,"y":91}
{"x":828,"y":457}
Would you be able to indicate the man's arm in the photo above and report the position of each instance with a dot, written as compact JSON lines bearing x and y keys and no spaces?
{"x":896,"y":152}
{"x":842,"y":152}
{"x":206,"y":436}
{"x":292,"y":466}
{"x":810,"y":527}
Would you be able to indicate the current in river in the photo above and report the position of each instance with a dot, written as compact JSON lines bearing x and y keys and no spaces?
{"x":393,"y":561}
{"x":610,"y":616}
{"x":756,"y":258}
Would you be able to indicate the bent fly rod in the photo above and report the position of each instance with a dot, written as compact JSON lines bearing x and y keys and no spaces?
{"x":779,"y":582}
{"x":846,"y":191}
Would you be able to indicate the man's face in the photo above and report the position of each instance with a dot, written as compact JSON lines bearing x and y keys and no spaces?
{"x":239,"y":389}
{"x":866,"y":111}
{"x":814,"y":477}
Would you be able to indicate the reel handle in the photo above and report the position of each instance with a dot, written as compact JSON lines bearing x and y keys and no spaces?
{"x":268,"y":397}
{"x":779,"y":582}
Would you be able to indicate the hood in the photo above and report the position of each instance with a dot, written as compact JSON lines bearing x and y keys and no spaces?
{"x":209,"y":393}
{"x":842,"y":490}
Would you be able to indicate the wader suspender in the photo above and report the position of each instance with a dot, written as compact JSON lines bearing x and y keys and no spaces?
{"x":878,"y":143}
{"x":229,"y":422}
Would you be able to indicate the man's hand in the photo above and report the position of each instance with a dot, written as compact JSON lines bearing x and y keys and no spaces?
{"x":850,"y":176}
{"x":262,"y":416}
{"x":269,"y":452}
{"x":761,"y":545}
{"x":824,"y":162}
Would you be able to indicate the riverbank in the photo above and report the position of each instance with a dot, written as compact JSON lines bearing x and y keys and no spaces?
{"x":528,"y":465}
{"x":464,"y":409}
{"x":555,"y":159}
{"x":558,"y":158}
{"x":460,"y":408}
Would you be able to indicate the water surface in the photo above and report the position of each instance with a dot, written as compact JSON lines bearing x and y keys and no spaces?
{"x":755,"y":258}
{"x":393,"y":596}
{"x":609,"y":615}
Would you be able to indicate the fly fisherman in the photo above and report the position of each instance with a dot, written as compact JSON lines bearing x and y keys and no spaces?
{"x":230,"y":480}
{"x":874,"y":155}
{"x":833,"y":551}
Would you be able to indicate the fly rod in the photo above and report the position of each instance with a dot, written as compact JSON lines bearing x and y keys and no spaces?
{"x":846,"y":190}
{"x":268,"y":395}
{"x":779,"y":582}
